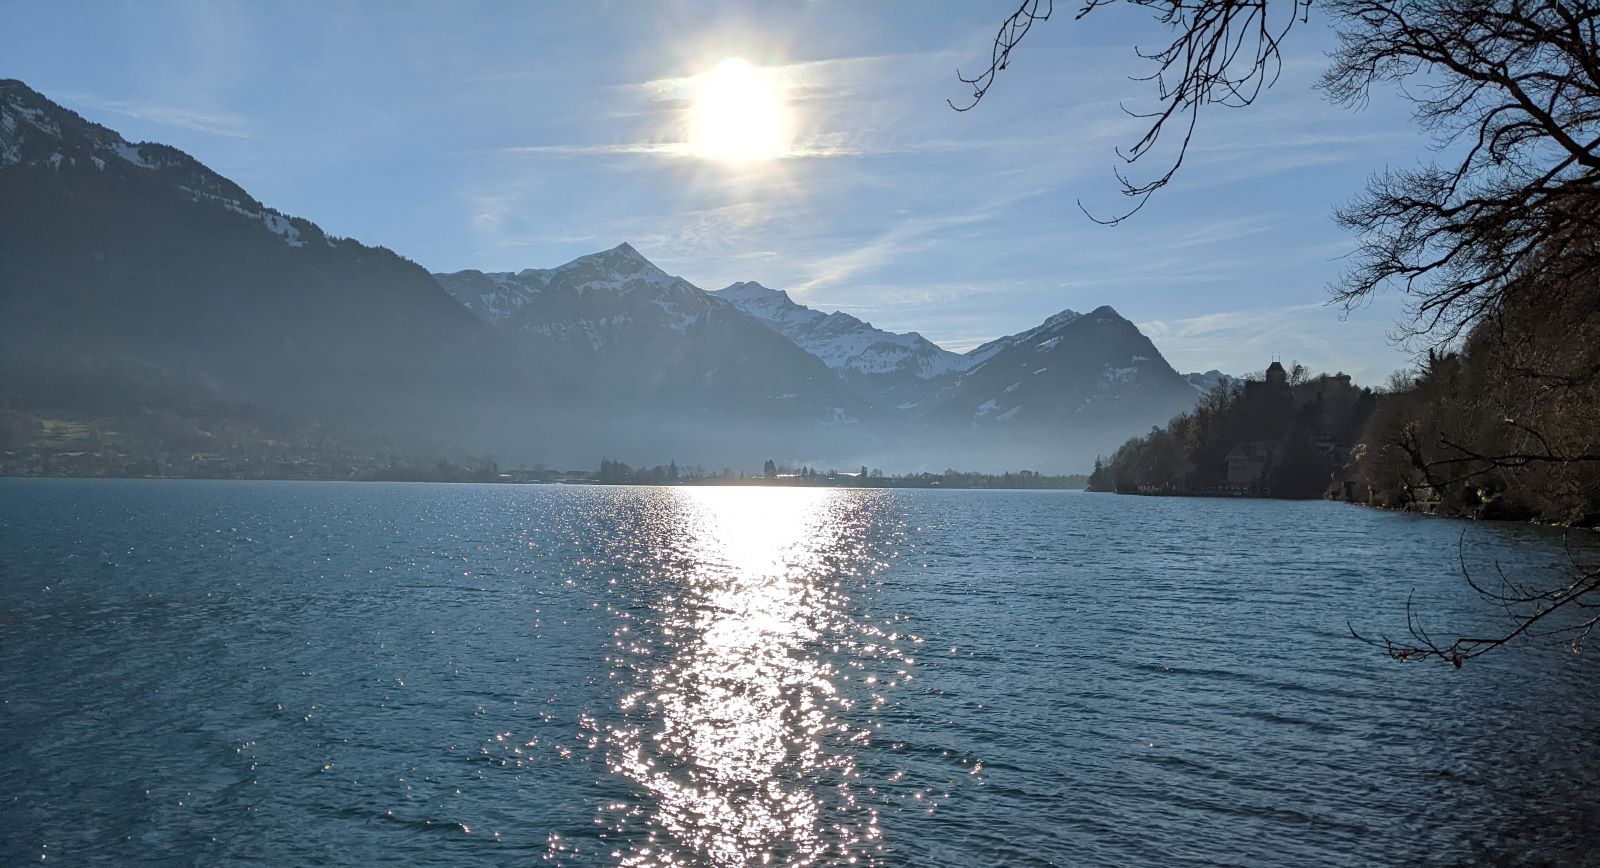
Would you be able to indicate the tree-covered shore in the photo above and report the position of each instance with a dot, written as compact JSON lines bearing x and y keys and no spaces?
{"x":1504,"y":426}
{"x":1285,"y":434}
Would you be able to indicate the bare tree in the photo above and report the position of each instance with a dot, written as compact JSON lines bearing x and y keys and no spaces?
{"x":1510,"y":92}
{"x":1509,"y":426}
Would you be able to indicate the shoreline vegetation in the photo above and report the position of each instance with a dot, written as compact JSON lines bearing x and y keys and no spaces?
{"x":1506,"y":427}
{"x":1281,"y":434}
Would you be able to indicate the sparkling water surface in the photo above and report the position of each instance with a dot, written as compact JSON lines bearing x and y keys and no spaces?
{"x":323,"y":673}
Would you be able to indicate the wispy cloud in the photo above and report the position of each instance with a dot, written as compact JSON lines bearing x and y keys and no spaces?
{"x":910,"y":235}
{"x":664,"y":149}
{"x":679,"y":150}
{"x":693,"y":236}
{"x":1240,"y":341}
{"x":1216,"y":231}
{"x":809,"y":79}
{"x":905,"y":238}
{"x":1230,"y":325}
{"x":215,"y":123}
{"x":916,"y":299}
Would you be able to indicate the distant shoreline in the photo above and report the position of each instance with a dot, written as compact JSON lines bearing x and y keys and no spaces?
{"x":750,"y":482}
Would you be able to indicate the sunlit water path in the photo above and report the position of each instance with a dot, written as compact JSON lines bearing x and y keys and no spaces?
{"x":213,"y":672}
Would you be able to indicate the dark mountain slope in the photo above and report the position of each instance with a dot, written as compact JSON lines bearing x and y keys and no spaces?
{"x":1054,"y":396}
{"x":133,"y":272}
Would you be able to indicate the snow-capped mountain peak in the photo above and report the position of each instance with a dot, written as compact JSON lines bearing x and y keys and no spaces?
{"x":1071,"y":366}
{"x":751,"y":291}
{"x":620,"y":271}
{"x":844,"y":343}
{"x":1042,"y":333}
{"x":1209,"y":380}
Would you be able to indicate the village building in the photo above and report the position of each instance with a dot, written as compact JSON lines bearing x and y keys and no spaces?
{"x":1247,"y":463}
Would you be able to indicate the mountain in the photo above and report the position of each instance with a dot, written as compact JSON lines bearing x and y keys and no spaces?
{"x":1209,"y":380}
{"x":133,"y":278}
{"x":979,"y":355}
{"x":1070,"y":367}
{"x":801,"y":382}
{"x":1072,"y":386}
{"x":568,"y":292}
{"x":1057,"y":394}
{"x":659,"y":361}
{"x":883,"y":365}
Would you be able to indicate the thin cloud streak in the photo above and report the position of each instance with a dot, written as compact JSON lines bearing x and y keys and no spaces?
{"x":677,"y":150}
{"x":1240,"y":341}
{"x":214,"y":123}
{"x":806,"y":79}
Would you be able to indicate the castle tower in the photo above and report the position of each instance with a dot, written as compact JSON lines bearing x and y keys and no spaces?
{"x":1276,"y":375}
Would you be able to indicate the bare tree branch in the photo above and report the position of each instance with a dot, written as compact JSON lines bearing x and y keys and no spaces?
{"x":1221,"y":53}
{"x":1534,"y":613}
{"x":1511,"y":90}
{"x":1010,"y":36}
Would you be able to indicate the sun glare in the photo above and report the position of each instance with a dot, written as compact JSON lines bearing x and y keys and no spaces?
{"x":739,"y":115}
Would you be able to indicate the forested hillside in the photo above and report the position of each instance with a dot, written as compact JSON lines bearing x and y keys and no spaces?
{"x":1285,"y":434}
{"x":1507,"y":426}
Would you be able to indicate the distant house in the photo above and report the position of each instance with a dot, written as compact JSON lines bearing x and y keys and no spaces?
{"x":1247,"y":463}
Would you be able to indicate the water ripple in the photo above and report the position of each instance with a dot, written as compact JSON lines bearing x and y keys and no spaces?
{"x":207,"y":673}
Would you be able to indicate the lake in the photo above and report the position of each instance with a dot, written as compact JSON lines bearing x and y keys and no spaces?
{"x":293,"y":673}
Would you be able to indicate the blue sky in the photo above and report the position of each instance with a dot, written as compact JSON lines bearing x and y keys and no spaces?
{"x":503,"y":136}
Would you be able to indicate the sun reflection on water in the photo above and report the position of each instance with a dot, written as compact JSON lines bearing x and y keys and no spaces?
{"x":735,"y":730}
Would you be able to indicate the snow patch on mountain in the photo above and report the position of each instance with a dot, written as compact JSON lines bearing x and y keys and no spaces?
{"x":130,"y":153}
{"x":588,"y":300}
{"x":975,"y":358}
{"x":622,"y":269}
{"x":843,"y":342}
{"x":274,"y":222}
{"x":1209,"y":380}
{"x":677,"y":320}
{"x":1120,"y":375}
{"x":36,"y":132}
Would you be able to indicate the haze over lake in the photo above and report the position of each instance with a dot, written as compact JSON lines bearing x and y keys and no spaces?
{"x":215,"y":672}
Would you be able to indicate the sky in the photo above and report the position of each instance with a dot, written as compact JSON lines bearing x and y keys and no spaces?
{"x":501,"y":136}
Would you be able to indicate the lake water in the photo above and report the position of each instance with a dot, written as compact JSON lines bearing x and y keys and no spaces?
{"x":294,"y":673}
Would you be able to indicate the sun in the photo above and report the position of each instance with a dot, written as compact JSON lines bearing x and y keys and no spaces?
{"x":739,"y":115}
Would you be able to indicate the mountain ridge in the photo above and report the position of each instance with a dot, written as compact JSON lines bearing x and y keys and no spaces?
{"x":137,"y":270}
{"x":843,"y":342}
{"x":139,"y":281}
{"x":1091,"y":374}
